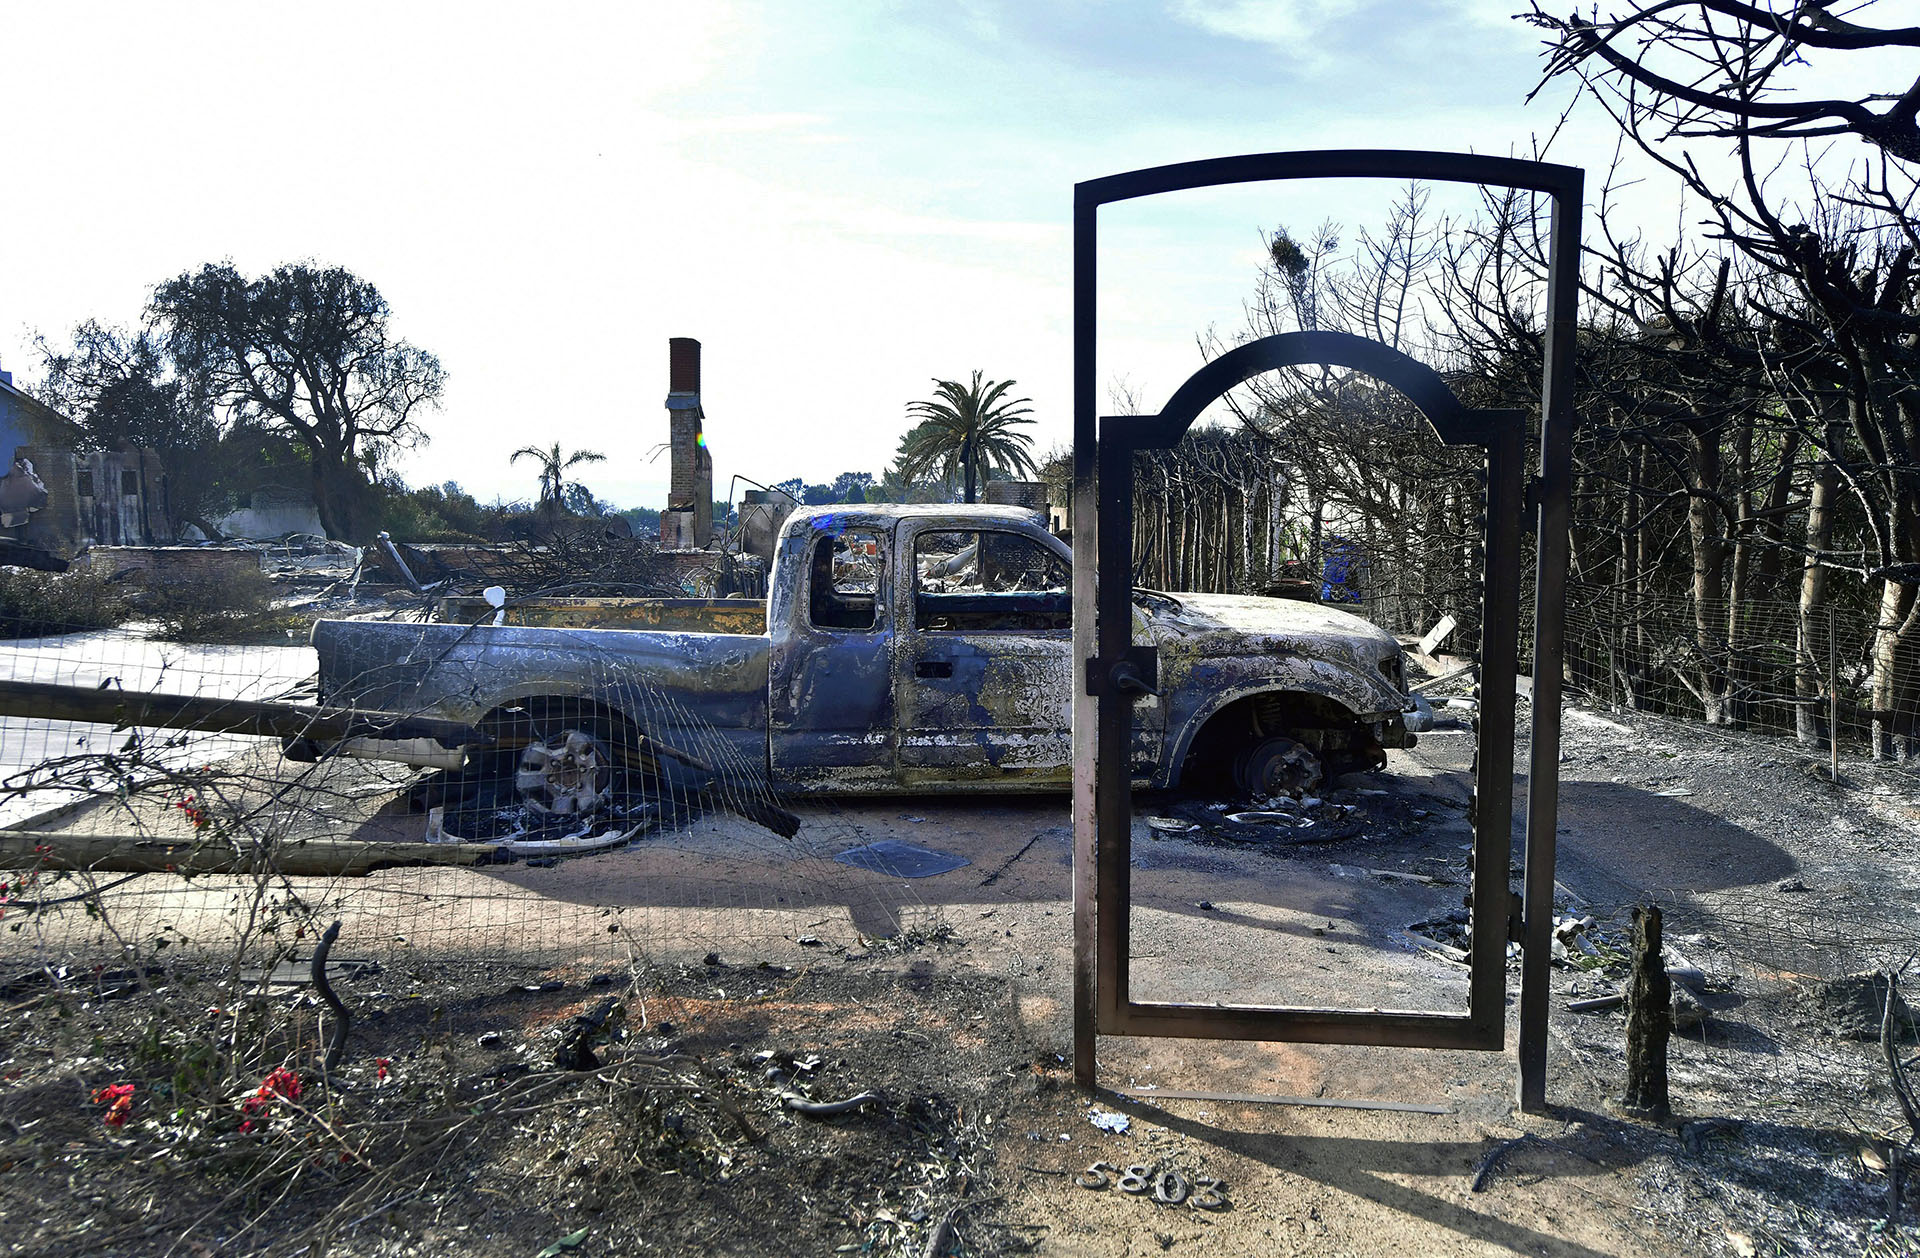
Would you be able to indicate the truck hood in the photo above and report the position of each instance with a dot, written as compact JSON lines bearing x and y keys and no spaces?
{"x":1212,"y":626}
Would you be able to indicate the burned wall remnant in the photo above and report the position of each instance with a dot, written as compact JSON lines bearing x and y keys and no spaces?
{"x":687,"y":523}
{"x":762,"y":514}
{"x":274,"y":511}
{"x":105,"y":497}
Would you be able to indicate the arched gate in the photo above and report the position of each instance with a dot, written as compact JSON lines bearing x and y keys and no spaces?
{"x":1113,"y":670}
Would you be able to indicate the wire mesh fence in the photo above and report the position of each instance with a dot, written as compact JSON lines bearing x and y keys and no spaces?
{"x":1753,"y":665}
{"x":287,"y":843}
{"x":218,"y":856}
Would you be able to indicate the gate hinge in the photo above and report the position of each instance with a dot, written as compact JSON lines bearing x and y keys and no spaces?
{"x":1135,"y":674}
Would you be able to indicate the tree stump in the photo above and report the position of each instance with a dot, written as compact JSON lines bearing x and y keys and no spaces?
{"x":1649,"y":1019}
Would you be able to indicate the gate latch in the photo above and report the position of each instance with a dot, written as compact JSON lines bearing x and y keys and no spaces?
{"x":1530,"y":497}
{"x":1135,"y":674}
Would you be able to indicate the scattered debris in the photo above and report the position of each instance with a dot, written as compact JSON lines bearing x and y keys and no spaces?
{"x":1691,"y":977}
{"x":1694,"y":1135}
{"x":827,"y":1109}
{"x":1441,"y":631}
{"x":575,"y":1050}
{"x":1483,"y":1176}
{"x":1108,"y":1120}
{"x":568,"y":1242}
{"x":940,"y":1237}
{"x":1688,"y":1013}
{"x":337,"y":1037}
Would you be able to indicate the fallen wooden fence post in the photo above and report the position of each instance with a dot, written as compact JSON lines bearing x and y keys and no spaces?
{"x":298,"y":858}
{"x":127,"y":708}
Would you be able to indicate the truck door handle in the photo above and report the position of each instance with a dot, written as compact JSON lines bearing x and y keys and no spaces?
{"x":933,"y":668}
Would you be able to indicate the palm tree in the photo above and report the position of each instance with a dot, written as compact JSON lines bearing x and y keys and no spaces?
{"x":970,"y":430}
{"x":553,"y":469}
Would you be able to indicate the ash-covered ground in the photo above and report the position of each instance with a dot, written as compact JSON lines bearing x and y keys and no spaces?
{"x":950,"y":996}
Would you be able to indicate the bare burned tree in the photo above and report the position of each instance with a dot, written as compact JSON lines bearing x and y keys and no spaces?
{"x":1360,"y":463}
{"x":1716,"y":68}
{"x":1833,"y":233}
{"x":1691,"y":470}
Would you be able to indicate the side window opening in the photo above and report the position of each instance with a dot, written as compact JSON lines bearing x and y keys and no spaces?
{"x":845,"y":581}
{"x":987,"y":580}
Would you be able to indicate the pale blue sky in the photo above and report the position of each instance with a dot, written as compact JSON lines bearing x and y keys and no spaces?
{"x":840,"y":200}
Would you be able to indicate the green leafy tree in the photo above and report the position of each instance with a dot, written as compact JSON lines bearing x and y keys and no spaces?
{"x":305,"y":351}
{"x":968,"y":432}
{"x":553,"y":469}
{"x":852,"y":486}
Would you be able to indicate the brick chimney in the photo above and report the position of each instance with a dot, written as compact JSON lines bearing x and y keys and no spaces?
{"x":687,"y":523}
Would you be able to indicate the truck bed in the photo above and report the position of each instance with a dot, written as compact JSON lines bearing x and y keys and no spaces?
{"x":682,"y":615}
{"x":704,"y":692}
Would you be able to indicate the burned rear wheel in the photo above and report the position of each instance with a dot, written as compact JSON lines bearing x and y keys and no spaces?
{"x":1277,"y":766}
{"x":566,"y":773}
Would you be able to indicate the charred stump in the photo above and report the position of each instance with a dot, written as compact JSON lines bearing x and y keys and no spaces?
{"x":1649,"y":1018}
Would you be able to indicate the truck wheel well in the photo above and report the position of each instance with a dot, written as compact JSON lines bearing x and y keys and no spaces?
{"x":512,"y":725}
{"x":1308,"y":718}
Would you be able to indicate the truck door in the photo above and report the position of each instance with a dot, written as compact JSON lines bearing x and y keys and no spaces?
{"x":985,"y":690}
{"x":830,"y":684}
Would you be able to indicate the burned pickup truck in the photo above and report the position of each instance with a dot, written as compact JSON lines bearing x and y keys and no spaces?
{"x":900,"y":649}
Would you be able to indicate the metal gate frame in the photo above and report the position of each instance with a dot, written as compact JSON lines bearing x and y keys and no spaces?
{"x":1102,"y":713}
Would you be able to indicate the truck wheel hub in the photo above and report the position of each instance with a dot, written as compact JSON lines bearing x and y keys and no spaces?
{"x":1278,"y":766}
{"x":567,"y":774}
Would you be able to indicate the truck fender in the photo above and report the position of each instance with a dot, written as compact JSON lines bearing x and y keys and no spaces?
{"x":1182,"y":743}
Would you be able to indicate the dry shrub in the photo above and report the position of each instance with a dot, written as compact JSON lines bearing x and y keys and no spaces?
{"x":223,"y":610}
{"x":39,"y":604}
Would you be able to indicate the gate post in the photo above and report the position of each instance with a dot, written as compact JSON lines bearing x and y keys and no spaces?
{"x":1085,"y":531}
{"x":1555,"y":494}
